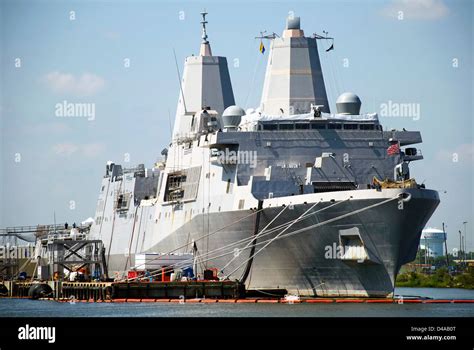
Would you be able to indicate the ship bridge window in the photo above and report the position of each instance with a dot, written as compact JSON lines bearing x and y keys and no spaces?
{"x":122,"y":202}
{"x":183,"y":185}
{"x":270,"y":126}
{"x":350,"y":126}
{"x":318,"y":126}
{"x":174,"y":188}
{"x":287,"y":126}
{"x":334,"y":126}
{"x":367,"y":127}
{"x":301,"y":126}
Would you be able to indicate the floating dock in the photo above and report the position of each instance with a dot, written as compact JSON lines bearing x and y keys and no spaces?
{"x":301,"y":301}
{"x":106,"y":291}
{"x":178,"y":292}
{"x":191,"y":289}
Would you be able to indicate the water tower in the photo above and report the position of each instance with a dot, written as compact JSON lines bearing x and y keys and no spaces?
{"x":432,"y":240}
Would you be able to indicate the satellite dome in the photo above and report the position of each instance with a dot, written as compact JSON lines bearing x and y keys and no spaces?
{"x":348,"y":103}
{"x":231,"y":117}
{"x":293,"y":22}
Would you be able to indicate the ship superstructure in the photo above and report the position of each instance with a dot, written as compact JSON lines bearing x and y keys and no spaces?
{"x":284,"y":196}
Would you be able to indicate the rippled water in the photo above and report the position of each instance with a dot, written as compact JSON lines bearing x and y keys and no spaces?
{"x":437,"y":293}
{"x":34,"y":308}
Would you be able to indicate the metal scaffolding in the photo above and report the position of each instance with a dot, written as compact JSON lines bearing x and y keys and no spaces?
{"x":66,"y":253}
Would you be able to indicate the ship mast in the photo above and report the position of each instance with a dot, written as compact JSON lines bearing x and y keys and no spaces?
{"x":205,"y":85}
{"x":299,"y":86}
{"x":205,"y":46}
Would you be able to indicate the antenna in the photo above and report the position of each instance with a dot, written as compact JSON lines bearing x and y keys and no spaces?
{"x":320,"y":37}
{"x":205,"y":46}
{"x":169,"y":123}
{"x":204,"y":22}
{"x":269,"y":36}
{"x":325,"y":37}
{"x":179,"y":78}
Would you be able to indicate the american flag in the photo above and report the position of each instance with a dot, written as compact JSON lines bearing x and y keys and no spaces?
{"x":393,"y":149}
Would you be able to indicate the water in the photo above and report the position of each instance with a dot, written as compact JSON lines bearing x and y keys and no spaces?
{"x":437,"y":293}
{"x":34,"y":308}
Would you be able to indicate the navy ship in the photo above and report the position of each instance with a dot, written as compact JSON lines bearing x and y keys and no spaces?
{"x":285,"y":196}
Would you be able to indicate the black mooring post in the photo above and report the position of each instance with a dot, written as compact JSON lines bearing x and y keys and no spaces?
{"x":246,"y":273}
{"x":104,"y":264}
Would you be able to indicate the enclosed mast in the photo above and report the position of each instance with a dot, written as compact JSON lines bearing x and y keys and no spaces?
{"x":293,"y":81}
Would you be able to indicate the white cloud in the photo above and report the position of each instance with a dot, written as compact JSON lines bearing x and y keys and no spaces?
{"x":88,"y":150}
{"x":65,"y":149}
{"x":85,"y":85}
{"x":463,"y":154}
{"x":417,"y":9}
{"x":92,"y":149}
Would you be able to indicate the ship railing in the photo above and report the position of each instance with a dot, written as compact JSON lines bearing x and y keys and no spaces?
{"x":135,"y":170}
{"x":33,"y":229}
{"x":185,"y":137}
{"x":66,"y":236}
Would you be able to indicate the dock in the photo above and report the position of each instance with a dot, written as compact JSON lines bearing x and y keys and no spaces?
{"x":65,"y":265}
{"x":179,"y":292}
{"x":109,"y":291}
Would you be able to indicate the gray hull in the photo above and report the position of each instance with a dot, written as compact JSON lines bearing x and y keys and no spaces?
{"x":299,"y":263}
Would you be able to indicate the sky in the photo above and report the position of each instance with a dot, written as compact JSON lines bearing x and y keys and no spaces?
{"x":118,"y":57}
